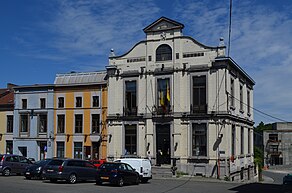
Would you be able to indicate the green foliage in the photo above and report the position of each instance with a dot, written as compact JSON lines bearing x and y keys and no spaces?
{"x":258,"y":157}
{"x":262,"y":127}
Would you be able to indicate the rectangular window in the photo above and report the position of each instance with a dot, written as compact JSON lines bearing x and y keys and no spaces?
{"x":273,"y":137}
{"x":9,"y":147}
{"x":61,"y":124}
{"x":95,"y":101}
{"x":130,"y":139}
{"x":78,"y":101}
{"x":199,"y":95}
{"x":149,"y":58}
{"x":199,"y":139}
{"x":42,"y":123}
{"x":23,"y":123}
{"x":242,"y":140}
{"x":248,"y":141}
{"x":61,"y":102}
{"x":131,"y":98}
{"x":232,"y":92}
{"x":24,"y":103}
{"x":95,"y":123}
{"x":78,"y":123}
{"x":164,"y":96}
{"x":233,"y":140}
{"x":78,"y":150}
{"x":23,"y":151}
{"x":43,"y":103}
{"x":177,"y":55}
{"x":60,"y":149}
{"x":248,"y":101}
{"x":9,"y":124}
{"x":241,"y":97}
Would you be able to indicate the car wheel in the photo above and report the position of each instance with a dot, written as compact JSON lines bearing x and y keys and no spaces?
{"x":6,"y":172}
{"x":144,"y":180}
{"x":137,"y":181}
{"x":72,"y":179}
{"x":28,"y":177}
{"x":121,"y":182}
{"x":98,"y":182}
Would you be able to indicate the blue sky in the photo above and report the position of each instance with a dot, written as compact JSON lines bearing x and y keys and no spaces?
{"x":39,"y":39}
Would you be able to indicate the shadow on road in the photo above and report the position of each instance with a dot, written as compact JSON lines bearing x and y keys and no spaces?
{"x":266,"y":188}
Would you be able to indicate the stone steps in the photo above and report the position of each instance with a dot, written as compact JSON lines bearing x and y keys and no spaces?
{"x":161,"y":172}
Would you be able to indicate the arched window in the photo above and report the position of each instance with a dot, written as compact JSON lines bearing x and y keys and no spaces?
{"x":163,"y":53}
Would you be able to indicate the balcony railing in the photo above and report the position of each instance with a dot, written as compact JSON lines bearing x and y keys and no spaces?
{"x":130,"y":111}
{"x":162,"y":110}
{"x":199,"y":109}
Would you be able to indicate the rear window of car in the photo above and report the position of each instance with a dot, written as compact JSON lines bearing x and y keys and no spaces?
{"x":109,"y":165}
{"x":1,"y":156}
{"x":56,"y":162}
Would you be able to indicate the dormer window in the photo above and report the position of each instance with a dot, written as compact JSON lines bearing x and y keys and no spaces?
{"x":164,"y":53}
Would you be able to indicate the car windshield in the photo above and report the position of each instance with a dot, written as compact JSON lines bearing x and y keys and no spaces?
{"x":56,"y":162}
{"x":42,"y":162}
{"x":108,"y":165}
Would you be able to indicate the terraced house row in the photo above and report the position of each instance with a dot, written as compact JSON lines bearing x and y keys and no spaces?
{"x":169,"y":98}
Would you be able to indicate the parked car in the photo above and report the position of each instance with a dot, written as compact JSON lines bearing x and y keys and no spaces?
{"x":97,"y":163}
{"x":10,"y":163}
{"x":36,"y":170}
{"x":287,"y":179}
{"x":71,"y":170}
{"x":32,"y":160}
{"x":142,"y":166}
{"x":117,"y":173}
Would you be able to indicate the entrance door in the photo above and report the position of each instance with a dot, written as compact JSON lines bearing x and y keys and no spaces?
{"x":95,"y":150}
{"x":43,"y":149}
{"x":163,"y":144}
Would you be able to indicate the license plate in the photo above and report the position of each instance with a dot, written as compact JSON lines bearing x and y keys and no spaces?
{"x":50,"y":170}
{"x":104,"y":178}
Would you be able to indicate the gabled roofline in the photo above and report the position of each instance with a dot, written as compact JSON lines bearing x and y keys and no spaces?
{"x":178,"y":37}
{"x":178,"y":25}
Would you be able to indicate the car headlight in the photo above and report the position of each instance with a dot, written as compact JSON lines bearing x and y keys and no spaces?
{"x":39,"y":168}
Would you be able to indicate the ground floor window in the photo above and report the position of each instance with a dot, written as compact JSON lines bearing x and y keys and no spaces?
{"x":199,"y":139}
{"x":9,"y":147}
{"x":130,"y":139}
{"x":23,"y":151}
{"x":78,"y":150}
{"x":60,"y":149}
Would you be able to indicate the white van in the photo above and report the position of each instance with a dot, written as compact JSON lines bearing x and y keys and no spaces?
{"x":142,"y":166}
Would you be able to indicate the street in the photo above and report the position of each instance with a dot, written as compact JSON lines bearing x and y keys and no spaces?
{"x":16,"y":184}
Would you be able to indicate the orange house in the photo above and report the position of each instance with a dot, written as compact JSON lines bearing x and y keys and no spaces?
{"x":80,"y":102}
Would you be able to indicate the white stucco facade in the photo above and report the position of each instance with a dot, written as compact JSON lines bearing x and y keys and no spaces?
{"x":184,"y":101}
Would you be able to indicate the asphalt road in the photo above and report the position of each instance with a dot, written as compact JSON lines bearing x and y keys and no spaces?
{"x":275,"y":175}
{"x":17,"y":184}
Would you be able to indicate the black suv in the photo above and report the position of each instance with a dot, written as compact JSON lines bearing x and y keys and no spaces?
{"x":71,"y":170}
{"x":10,"y":163}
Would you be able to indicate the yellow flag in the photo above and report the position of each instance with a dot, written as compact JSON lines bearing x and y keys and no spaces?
{"x":161,"y":98}
{"x":167,"y":92}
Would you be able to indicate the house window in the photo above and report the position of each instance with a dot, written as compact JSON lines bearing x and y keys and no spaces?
{"x":131,"y":98}
{"x":23,"y":151}
{"x":78,"y":150}
{"x":130,"y":139}
{"x":164,"y":53}
{"x":273,"y":137}
{"x":242,"y":140}
{"x":24,"y":103}
{"x":42,"y":123}
{"x":9,"y":147}
{"x":9,"y":124}
{"x":78,"y":101}
{"x":23,"y":123}
{"x":60,"y":149}
{"x":241,"y":97}
{"x":199,"y":95}
{"x":248,"y":141}
{"x":78,"y":123}
{"x":232,"y":92}
{"x":95,"y":123}
{"x":163,"y":90}
{"x":248,"y":101}
{"x":177,"y":55}
{"x":233,"y":136}
{"x":43,"y":103}
{"x":61,"y":102}
{"x":199,"y":139}
{"x":95,"y":101}
{"x":61,"y":124}
{"x":149,"y":58}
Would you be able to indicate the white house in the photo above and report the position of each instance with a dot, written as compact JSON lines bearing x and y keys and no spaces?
{"x":182,"y":103}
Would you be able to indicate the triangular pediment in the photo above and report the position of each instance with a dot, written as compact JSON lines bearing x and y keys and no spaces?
{"x":163,"y":24}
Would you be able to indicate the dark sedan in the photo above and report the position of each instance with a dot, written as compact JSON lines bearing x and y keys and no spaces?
{"x":287,"y":179}
{"x":117,"y":173}
{"x":36,"y":170}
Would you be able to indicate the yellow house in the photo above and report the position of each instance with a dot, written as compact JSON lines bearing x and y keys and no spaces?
{"x":6,"y":119}
{"x":80,"y":102}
